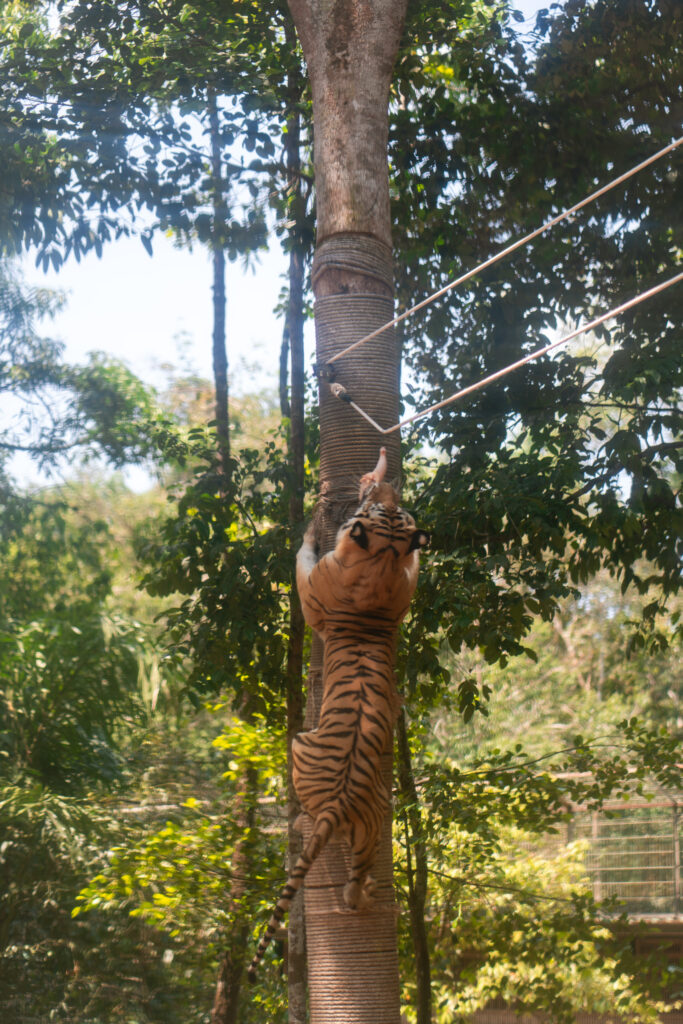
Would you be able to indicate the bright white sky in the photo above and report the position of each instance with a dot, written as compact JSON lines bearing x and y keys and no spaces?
{"x":151,"y":311}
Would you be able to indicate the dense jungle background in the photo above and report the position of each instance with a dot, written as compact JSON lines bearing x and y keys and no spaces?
{"x":146,"y":637}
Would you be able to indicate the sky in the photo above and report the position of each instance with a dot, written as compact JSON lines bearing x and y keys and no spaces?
{"x":151,"y":311}
{"x":156,"y":311}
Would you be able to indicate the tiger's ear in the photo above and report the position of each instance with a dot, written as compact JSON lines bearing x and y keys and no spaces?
{"x":359,"y":534}
{"x":420,"y":539}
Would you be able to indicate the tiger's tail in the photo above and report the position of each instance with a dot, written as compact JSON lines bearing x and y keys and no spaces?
{"x":325,"y":824}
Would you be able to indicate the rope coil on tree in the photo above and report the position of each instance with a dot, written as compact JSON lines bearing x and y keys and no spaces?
{"x":357,"y":254}
{"x":339,"y":319}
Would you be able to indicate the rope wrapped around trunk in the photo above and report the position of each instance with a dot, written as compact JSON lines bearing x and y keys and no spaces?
{"x":370,"y":374}
{"x":352,"y":955}
{"x":356,"y":254}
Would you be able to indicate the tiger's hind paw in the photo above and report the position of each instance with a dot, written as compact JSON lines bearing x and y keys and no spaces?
{"x":369,"y":890}
{"x":352,"y":893}
{"x":358,"y":897}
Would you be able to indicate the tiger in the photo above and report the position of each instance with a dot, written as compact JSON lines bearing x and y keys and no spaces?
{"x":354,"y":597}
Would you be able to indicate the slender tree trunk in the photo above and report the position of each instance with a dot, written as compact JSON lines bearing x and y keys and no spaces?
{"x":417,"y":873}
{"x":227,"y":993}
{"x":296,"y":963}
{"x":220,"y":355}
{"x":285,"y":407}
{"x":350,"y":47}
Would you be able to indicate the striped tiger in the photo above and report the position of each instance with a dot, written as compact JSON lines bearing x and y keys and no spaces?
{"x":354,"y":597}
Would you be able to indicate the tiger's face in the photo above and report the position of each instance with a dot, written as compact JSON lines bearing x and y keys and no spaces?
{"x":380,"y":530}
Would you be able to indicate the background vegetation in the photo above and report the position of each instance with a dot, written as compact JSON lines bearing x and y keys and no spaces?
{"x":144,"y":638}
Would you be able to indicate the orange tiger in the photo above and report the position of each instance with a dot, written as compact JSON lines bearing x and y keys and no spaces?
{"x":355,"y":597}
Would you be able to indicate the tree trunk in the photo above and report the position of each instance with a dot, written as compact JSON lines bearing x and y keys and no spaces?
{"x":417,"y":874}
{"x":350,"y":47}
{"x":226,"y":997}
{"x":296,"y":961}
{"x":220,"y":355}
{"x":285,"y":407}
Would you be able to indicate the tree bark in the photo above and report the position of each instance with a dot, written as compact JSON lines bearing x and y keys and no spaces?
{"x":219,"y":349}
{"x":350,"y":47}
{"x":417,"y":874}
{"x":227,"y":994}
{"x":294,"y":330}
{"x":285,"y":408}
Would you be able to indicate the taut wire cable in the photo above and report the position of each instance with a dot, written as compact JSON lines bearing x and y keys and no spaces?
{"x":340,"y":391}
{"x":510,"y":248}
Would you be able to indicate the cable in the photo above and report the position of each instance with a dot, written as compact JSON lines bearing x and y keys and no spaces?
{"x":340,"y":391}
{"x":511,"y":248}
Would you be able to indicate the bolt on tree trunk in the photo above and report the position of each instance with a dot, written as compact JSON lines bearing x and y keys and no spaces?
{"x":350,"y":47}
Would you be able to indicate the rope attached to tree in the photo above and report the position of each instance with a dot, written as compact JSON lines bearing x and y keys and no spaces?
{"x":339,"y":391}
{"x":362,"y":254}
{"x":510,"y":248}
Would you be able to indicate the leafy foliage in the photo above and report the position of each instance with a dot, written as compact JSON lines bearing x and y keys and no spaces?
{"x":579,"y":681}
{"x":569,"y":469}
{"x":177,"y":877}
{"x":506,"y":919}
{"x":127,"y":137}
{"x":228,"y":555}
{"x":72,"y":670}
{"x":74,"y":664}
{"x":56,"y":410}
{"x":571,"y":465}
{"x":527,"y":932}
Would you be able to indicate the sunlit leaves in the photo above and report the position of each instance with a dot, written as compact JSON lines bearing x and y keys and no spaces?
{"x":108,"y":113}
{"x":226,"y":553}
{"x":59,"y":410}
{"x":570,"y":464}
{"x":510,"y":915}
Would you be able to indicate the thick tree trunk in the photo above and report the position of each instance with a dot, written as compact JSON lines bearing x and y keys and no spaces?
{"x":350,"y":47}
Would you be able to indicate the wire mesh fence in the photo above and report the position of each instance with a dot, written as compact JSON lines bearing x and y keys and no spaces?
{"x":634,"y":854}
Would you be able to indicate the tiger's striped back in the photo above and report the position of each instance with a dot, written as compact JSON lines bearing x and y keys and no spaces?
{"x":355,"y":597}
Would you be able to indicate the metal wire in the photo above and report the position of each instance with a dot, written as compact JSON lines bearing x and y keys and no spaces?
{"x":340,"y":391}
{"x":510,"y":248}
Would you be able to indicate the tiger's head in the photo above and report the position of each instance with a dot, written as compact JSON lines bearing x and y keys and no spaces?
{"x":380,"y":528}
